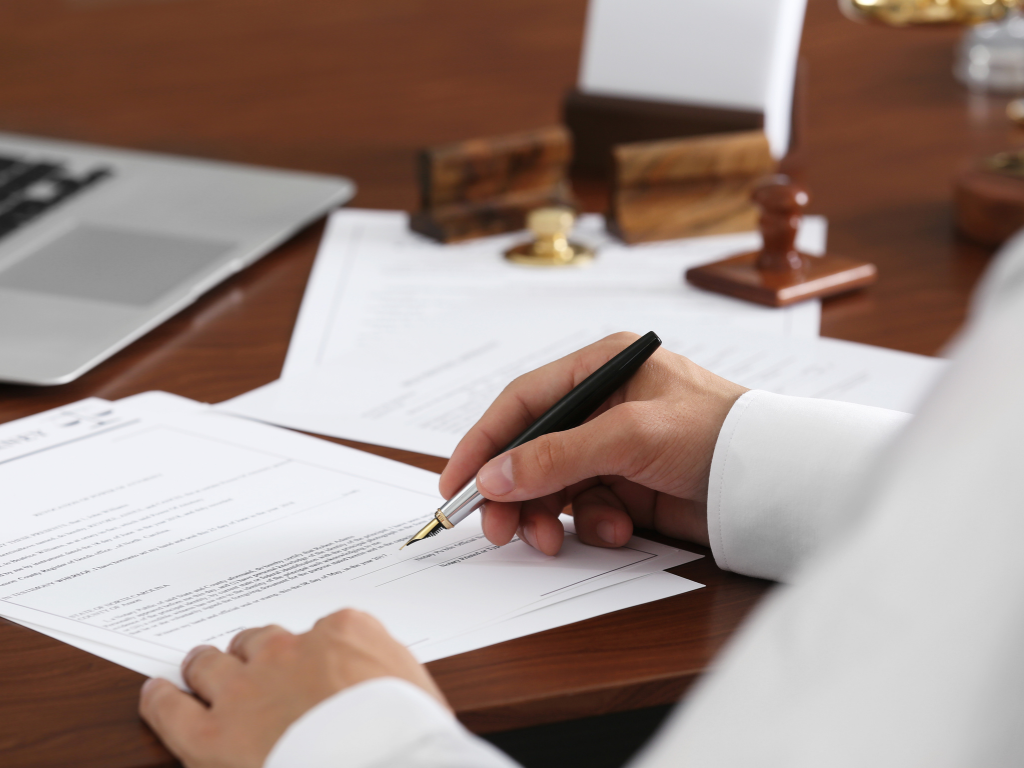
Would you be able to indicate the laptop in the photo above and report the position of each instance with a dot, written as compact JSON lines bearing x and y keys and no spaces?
{"x":99,"y":245}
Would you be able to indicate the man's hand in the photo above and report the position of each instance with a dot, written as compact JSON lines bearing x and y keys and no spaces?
{"x":643,"y":458}
{"x":269,"y":677}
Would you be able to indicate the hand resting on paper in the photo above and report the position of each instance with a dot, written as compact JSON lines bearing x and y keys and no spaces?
{"x":269,"y":677}
{"x":642,"y":459}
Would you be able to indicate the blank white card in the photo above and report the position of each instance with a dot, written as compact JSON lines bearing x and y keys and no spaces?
{"x":738,"y":54}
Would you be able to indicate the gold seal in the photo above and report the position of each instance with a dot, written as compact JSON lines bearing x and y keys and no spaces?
{"x":551,"y":246}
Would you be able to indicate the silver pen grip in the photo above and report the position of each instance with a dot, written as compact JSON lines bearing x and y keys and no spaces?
{"x":462,"y":504}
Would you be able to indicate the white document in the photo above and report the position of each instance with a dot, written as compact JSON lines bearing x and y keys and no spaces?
{"x":141,"y":528}
{"x":422,"y":400}
{"x":146,"y":665}
{"x":830,"y":369}
{"x":405,"y":343}
{"x":739,"y":54}
{"x":375,"y":284}
{"x":617,"y":597}
{"x":654,"y":586}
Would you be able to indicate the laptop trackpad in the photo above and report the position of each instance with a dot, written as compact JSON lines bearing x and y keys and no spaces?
{"x":113,"y":265}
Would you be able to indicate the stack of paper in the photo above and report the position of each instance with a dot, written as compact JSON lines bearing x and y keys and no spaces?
{"x":403,"y":342}
{"x":139,"y":529}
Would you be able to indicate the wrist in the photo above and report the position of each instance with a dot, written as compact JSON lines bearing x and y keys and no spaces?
{"x":707,"y":411}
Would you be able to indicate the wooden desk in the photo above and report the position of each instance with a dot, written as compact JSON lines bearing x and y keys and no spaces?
{"x":355,"y":88}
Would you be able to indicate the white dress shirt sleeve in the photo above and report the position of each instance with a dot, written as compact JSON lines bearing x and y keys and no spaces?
{"x":382,"y":722}
{"x":901,"y":644}
{"x":787,"y":475}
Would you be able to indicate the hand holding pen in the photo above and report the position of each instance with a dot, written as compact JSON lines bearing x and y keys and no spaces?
{"x":642,"y":458}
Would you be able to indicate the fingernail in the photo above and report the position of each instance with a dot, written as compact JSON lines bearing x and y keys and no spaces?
{"x":606,"y":532}
{"x":495,"y":479}
{"x":530,"y":534}
{"x":147,"y":685}
{"x":193,"y":653}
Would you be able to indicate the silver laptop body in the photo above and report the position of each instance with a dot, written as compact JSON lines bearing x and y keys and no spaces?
{"x":100,"y":245}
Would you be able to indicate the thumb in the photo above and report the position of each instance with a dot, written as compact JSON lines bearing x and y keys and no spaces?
{"x":615,"y":443}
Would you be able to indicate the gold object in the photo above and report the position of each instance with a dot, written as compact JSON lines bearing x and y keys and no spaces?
{"x":1007,"y":163}
{"x":551,"y":246}
{"x":434,"y":527}
{"x":1015,"y":111}
{"x":908,"y":13}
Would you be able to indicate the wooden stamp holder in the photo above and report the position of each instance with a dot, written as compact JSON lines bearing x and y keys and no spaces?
{"x":488,"y":186}
{"x":778,"y":274}
{"x":665,"y":190}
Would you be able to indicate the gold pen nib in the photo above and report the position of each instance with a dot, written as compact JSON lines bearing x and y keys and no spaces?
{"x":430,"y":529}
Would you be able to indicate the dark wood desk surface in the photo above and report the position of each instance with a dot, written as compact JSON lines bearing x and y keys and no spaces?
{"x":354,"y":88}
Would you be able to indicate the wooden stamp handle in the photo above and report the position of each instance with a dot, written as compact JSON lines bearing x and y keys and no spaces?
{"x":782,"y":203}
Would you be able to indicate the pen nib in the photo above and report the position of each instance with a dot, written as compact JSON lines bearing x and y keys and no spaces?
{"x":432,"y":528}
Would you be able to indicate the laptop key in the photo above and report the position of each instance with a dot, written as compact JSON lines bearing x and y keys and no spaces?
{"x":26,"y":178}
{"x":20,"y":213}
{"x":28,"y":190}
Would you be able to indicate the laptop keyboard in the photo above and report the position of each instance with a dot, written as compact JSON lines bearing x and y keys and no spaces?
{"x":28,"y":189}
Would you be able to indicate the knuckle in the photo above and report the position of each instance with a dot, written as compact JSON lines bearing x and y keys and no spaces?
{"x":621,"y":338}
{"x":513,"y":391}
{"x":615,"y":343}
{"x":198,"y":661}
{"x":513,"y":386}
{"x":547,"y":455}
{"x":342,"y":623}
{"x":352,"y":629}
{"x":590,"y":359}
{"x":277,"y":644}
{"x":239,"y":640}
{"x":584,"y":365}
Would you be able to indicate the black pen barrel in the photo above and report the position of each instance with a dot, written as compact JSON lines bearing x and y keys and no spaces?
{"x":573,"y":409}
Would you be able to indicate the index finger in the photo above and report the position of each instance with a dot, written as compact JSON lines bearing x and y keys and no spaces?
{"x":521,"y":403}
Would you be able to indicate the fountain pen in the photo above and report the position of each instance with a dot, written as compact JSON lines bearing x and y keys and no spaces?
{"x":571,"y":411}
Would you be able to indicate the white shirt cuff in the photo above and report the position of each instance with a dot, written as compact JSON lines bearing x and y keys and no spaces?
{"x":786,"y":475}
{"x":382,"y":722}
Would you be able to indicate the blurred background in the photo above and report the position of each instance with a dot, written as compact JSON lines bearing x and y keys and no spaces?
{"x":350,"y":87}
{"x":355,"y":88}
